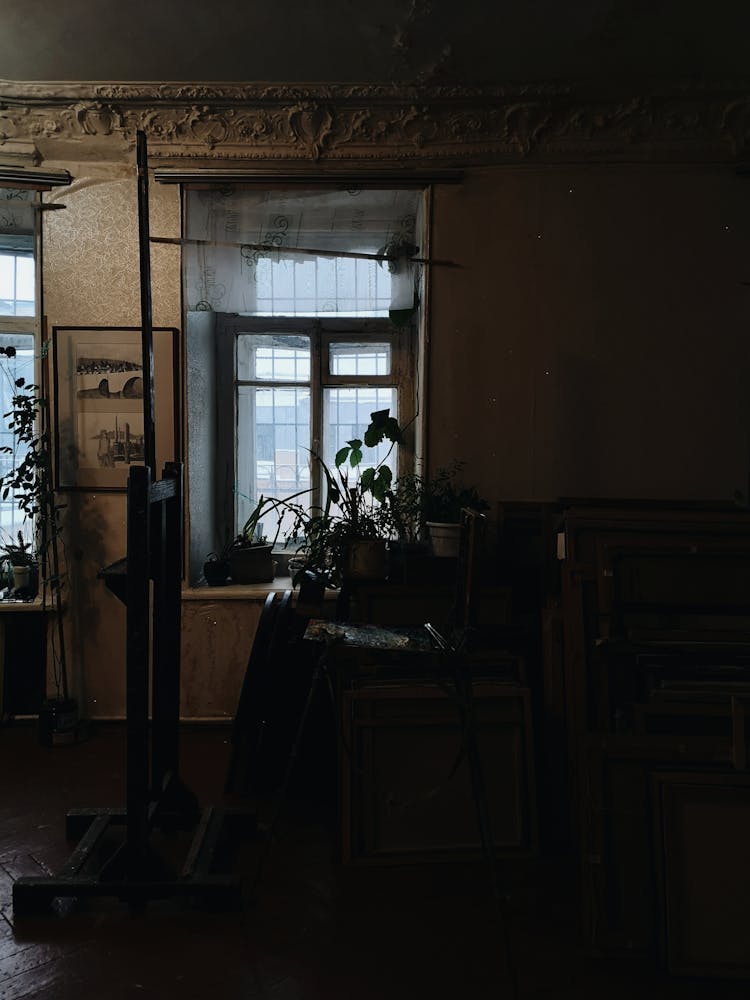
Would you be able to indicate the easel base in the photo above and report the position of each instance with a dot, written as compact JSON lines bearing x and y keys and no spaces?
{"x":101,"y":865}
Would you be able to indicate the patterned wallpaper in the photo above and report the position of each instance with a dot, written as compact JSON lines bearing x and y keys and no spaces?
{"x":91,"y":278}
{"x":91,"y":273}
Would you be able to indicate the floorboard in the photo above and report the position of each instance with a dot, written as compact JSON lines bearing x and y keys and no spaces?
{"x":311,"y":929}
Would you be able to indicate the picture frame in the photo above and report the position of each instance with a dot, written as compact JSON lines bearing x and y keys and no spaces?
{"x":98,"y":404}
{"x":701,"y":822}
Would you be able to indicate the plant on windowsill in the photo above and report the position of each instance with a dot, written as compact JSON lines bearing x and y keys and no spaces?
{"x":432,"y":507}
{"x":249,"y":555}
{"x":216,"y":567}
{"x":23,"y":563}
{"x":346,"y":538}
{"x":444,"y":499}
{"x":29,"y":483}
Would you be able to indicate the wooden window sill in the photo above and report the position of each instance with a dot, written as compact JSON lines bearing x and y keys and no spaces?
{"x":11,"y":606}
{"x":237,"y":591}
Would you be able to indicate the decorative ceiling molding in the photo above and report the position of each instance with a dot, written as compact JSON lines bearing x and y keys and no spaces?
{"x":380,"y":123}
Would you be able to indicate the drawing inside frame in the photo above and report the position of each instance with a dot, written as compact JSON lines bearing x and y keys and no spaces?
{"x":98,"y":397}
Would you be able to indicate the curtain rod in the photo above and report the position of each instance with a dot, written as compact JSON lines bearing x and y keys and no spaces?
{"x":34,"y":178}
{"x":264,"y":248}
{"x":350,"y":178}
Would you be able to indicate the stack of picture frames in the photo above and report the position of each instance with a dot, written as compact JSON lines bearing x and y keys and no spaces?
{"x":98,"y":398}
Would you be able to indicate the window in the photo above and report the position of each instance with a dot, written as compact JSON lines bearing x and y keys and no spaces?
{"x":17,"y":293}
{"x":18,"y":321}
{"x":303,"y":338}
{"x":22,"y":366}
{"x":307,"y":385}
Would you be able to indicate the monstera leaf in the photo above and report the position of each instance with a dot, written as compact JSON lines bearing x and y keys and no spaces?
{"x":382,"y":427}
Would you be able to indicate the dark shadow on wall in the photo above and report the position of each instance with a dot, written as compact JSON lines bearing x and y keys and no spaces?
{"x":92,"y":542}
{"x":575,"y":439}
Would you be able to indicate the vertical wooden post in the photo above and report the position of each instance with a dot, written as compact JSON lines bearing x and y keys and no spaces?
{"x":50,"y":562}
{"x":166,"y":636}
{"x":147,"y":332}
{"x":138,"y":593}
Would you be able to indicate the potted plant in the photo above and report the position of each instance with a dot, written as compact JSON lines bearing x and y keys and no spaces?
{"x":29,"y":482}
{"x":22,"y":560}
{"x":216,"y":568}
{"x":444,"y":497}
{"x":346,"y":537}
{"x":249,"y":554}
{"x":411,"y":558}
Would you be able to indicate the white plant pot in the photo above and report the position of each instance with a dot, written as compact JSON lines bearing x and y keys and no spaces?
{"x":21,"y":577}
{"x":444,"y":538}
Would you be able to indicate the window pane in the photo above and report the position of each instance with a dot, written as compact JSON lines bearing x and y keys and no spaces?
{"x":277,"y":358}
{"x":7,"y":277}
{"x":17,"y":295}
{"x":317,"y":286}
{"x":22,"y":366}
{"x":346,"y":415}
{"x":25,"y":278}
{"x":273,"y":456}
{"x":359,"y":359}
{"x":290,"y":239}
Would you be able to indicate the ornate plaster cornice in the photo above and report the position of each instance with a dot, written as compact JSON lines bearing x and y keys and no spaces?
{"x":376,"y":122}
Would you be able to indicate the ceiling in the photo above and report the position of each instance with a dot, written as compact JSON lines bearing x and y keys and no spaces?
{"x":432,"y":41}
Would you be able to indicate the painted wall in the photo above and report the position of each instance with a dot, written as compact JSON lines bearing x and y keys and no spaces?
{"x":91,"y":278}
{"x":591,"y":342}
{"x":471,"y":42}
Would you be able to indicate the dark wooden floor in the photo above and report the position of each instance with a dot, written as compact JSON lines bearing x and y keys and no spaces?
{"x":311,"y":929}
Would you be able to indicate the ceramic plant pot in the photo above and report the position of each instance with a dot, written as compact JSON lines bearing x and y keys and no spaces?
{"x":251,"y":564}
{"x":216,"y":572}
{"x":22,"y":577}
{"x":444,"y":538}
{"x":367,"y":559}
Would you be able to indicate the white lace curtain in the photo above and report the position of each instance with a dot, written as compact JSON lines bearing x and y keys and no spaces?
{"x":249,"y":233}
{"x":16,"y":217}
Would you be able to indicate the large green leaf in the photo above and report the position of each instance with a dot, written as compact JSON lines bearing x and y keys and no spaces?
{"x":367,"y":478}
{"x":381,"y":482}
{"x":382,"y":426}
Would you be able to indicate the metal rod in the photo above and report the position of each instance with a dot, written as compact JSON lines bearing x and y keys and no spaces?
{"x":264,"y":248}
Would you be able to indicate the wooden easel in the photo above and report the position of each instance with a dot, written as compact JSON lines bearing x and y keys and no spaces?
{"x":117,"y":854}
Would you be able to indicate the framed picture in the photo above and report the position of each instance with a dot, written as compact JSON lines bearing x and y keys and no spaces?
{"x":98,"y":404}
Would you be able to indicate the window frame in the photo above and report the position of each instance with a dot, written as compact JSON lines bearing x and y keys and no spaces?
{"x":322,"y":332}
